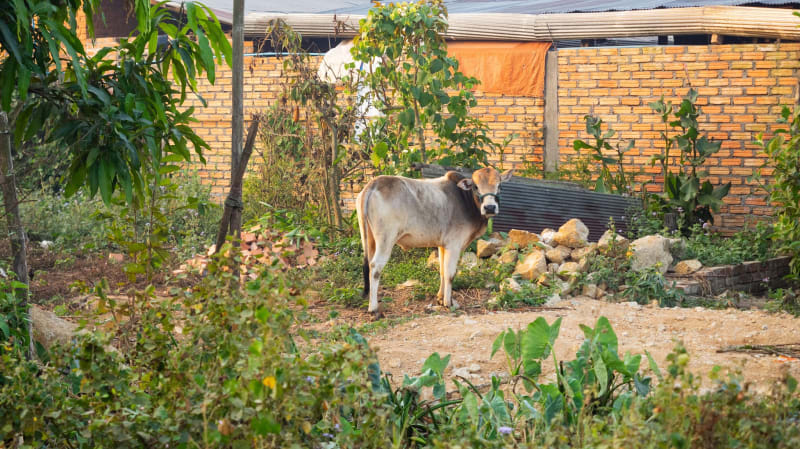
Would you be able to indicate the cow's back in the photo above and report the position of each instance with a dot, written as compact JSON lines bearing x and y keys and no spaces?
{"x":420,"y":212}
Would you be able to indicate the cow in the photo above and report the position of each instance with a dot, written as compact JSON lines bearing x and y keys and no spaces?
{"x":447,"y":213}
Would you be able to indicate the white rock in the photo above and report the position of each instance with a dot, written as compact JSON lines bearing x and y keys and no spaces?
{"x":573,"y":234}
{"x":474,"y":368}
{"x":509,"y":284}
{"x":651,"y":251}
{"x":487,"y":248}
{"x":468,"y":260}
{"x":558,"y":254}
{"x":522,"y":238}
{"x":462,"y":372}
{"x":579,"y":254}
{"x":554,"y":299}
{"x":411,"y":283}
{"x":690,"y":266}
{"x":605,"y":241}
{"x":589,"y":290}
{"x":569,"y":269}
{"x":532,"y":266}
{"x":548,"y":236}
{"x":433,"y":260}
{"x":508,"y":256}
{"x":469,"y":322}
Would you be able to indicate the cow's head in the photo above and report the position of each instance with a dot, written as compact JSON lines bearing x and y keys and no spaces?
{"x":485,"y":184}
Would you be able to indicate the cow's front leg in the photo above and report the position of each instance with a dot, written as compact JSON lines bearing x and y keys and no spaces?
{"x":383,"y":250}
{"x":448,"y":270}
{"x":440,"y":294}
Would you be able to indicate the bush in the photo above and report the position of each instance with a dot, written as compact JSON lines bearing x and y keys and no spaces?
{"x":713,"y":249}
{"x":85,"y":224}
{"x":231,"y":375}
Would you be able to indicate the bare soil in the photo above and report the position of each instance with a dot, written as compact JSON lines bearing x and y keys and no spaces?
{"x":467,"y":335}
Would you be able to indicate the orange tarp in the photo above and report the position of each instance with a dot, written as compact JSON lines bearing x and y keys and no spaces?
{"x":510,"y":68}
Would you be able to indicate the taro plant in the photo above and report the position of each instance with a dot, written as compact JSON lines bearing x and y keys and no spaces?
{"x":418,"y":89}
{"x":783,"y":160}
{"x":596,"y":382}
{"x":609,"y":180}
{"x":684,"y":193}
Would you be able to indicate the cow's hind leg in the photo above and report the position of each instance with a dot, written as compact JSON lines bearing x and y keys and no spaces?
{"x":440,"y":294}
{"x":383,"y":250}
{"x":448,"y":271}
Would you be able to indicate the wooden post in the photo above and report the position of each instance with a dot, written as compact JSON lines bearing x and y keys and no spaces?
{"x":237,"y":116}
{"x":551,"y":150}
{"x":16,"y":233}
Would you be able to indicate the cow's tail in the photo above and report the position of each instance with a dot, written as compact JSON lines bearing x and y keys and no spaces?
{"x":365,"y":231}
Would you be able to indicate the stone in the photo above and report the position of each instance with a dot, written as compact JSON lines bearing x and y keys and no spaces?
{"x":573,"y":234}
{"x":558,"y":254}
{"x":568,"y":269}
{"x":532,"y":266}
{"x":651,"y":251}
{"x":590,"y":290}
{"x":608,"y":237}
{"x":508,"y":256}
{"x":411,"y":283}
{"x":462,"y":372}
{"x":578,"y":254}
{"x":522,"y":238}
{"x":509,"y":284}
{"x":552,"y":268}
{"x":116,"y":257}
{"x":547,"y":236}
{"x":474,"y":368}
{"x":565,"y":287}
{"x":468,"y":260}
{"x":433,"y":260}
{"x":469,"y":322}
{"x":487,"y":248}
{"x":554,"y":299}
{"x":686,"y":267}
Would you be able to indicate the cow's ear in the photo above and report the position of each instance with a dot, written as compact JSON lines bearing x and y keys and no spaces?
{"x":466,"y":184}
{"x":506,"y":175}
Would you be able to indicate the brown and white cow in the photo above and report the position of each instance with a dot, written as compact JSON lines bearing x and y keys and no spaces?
{"x":447,"y":212}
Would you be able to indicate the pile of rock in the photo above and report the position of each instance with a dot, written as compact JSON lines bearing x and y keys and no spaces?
{"x":560,"y":256}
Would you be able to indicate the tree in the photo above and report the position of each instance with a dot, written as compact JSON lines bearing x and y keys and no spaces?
{"x":119,"y":114}
{"x":418,"y":88}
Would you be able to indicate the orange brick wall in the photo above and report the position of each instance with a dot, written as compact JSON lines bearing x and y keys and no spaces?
{"x":741,"y":92}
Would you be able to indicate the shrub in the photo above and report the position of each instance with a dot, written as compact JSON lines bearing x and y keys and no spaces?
{"x":230,"y":375}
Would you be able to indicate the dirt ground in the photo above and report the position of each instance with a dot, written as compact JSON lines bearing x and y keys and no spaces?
{"x":467,"y":336}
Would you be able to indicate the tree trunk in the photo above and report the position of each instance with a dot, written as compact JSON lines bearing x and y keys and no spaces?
{"x":16,"y":233}
{"x":237,"y":114}
{"x":232,"y":216}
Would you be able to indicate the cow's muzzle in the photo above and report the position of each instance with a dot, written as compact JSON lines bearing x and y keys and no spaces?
{"x":490,"y":209}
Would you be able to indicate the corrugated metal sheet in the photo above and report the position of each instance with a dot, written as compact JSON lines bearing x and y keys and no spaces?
{"x":478,"y":6}
{"x":535,"y":204}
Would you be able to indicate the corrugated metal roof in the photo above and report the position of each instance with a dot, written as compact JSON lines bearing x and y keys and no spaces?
{"x":479,"y":6}
{"x":536,"y":204}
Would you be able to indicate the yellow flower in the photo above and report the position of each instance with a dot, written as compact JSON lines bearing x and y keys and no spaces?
{"x":269,"y":381}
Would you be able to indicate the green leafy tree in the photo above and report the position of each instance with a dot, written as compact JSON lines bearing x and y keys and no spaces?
{"x":684,"y":193}
{"x":418,"y":89}
{"x":783,"y":160}
{"x":118,"y":113}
